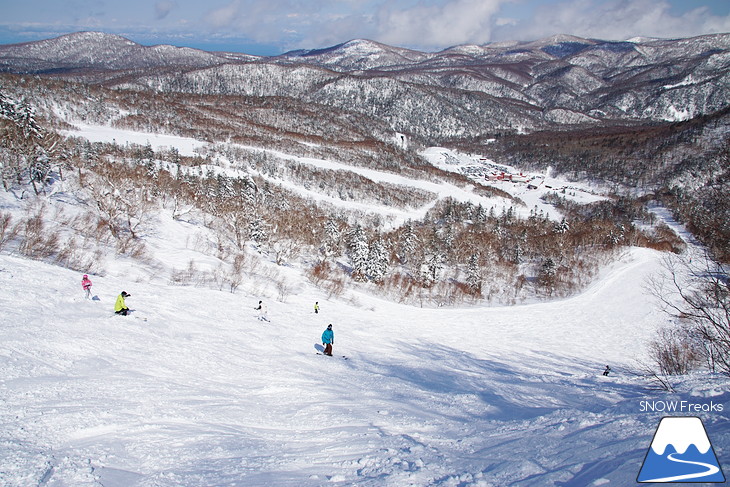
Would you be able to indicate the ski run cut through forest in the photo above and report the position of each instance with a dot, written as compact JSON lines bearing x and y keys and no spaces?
{"x":196,"y":387}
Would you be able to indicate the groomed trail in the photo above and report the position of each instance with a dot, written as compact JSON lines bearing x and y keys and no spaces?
{"x":192,"y":389}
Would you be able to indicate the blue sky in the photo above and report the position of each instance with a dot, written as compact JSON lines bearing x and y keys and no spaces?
{"x":269,"y":27}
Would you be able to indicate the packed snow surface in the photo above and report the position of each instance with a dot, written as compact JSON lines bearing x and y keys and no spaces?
{"x":192,"y":389}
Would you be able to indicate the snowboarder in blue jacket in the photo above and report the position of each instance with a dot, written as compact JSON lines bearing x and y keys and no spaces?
{"x":328,"y":339}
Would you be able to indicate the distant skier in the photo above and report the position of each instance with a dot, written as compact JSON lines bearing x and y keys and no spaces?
{"x":316,"y":307}
{"x":608,"y":369}
{"x":328,"y":339}
{"x":120,"y":307}
{"x":263,"y":314}
{"x":86,"y":285}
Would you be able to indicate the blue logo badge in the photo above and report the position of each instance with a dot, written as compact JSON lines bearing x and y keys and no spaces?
{"x":681,"y":452}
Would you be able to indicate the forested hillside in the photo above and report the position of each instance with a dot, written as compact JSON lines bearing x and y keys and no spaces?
{"x":316,"y":159}
{"x":683,"y":165}
{"x":348,"y":202}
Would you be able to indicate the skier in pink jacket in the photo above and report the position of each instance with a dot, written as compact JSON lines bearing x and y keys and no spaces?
{"x":86,"y":285}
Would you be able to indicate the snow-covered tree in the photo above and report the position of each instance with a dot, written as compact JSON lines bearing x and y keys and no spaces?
{"x":7,"y":107}
{"x":359,"y":252}
{"x":332,"y":235}
{"x":431,"y":268}
{"x":257,"y":230}
{"x":562,"y":227}
{"x":449,"y":237}
{"x":473,"y":276}
{"x":408,"y":243}
{"x":377,"y":266}
{"x":29,"y":154}
{"x":519,"y":248}
{"x":249,"y":191}
{"x":481,"y":214}
{"x":224,"y":186}
{"x":546,"y":275}
{"x":25,"y":119}
{"x":433,"y":259}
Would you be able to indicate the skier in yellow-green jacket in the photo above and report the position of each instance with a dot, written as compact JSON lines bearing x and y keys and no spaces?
{"x":120,"y":307}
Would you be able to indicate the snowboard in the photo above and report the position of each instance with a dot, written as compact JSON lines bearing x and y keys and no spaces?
{"x":132,"y":313}
{"x":343,"y":356}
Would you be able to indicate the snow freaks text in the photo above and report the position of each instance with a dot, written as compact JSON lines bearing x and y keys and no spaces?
{"x":679,"y":407}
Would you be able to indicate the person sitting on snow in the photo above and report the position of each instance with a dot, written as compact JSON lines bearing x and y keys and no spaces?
{"x":120,"y":307}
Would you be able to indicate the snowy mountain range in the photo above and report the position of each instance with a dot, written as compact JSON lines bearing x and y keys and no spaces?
{"x":462,"y":91}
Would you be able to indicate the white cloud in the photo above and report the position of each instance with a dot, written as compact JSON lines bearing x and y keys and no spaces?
{"x":398,"y":22}
{"x":421,"y":24}
{"x":436,"y":24}
{"x":265,"y":20}
{"x":163,"y":8}
{"x":615,"y":20}
{"x":225,"y":16}
{"x":440,"y":25}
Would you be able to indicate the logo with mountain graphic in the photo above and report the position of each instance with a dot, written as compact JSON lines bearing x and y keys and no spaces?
{"x":681,"y":452}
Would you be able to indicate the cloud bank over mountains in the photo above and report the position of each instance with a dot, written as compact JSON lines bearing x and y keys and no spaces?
{"x":281,"y":25}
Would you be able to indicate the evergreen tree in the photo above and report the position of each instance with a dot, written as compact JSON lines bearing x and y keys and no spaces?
{"x":547,"y":274}
{"x":409,"y":242}
{"x":473,"y":277}
{"x":257,"y":230}
{"x":433,"y":261}
{"x":174,"y":155}
{"x":33,"y":153}
{"x":377,"y":260}
{"x":332,"y":235}
{"x":520,"y":245}
{"x":562,"y":227}
{"x":7,"y":107}
{"x":224,"y":186}
{"x":449,"y":237}
{"x":481,"y":214}
{"x":359,"y":252}
{"x":25,"y":119}
{"x":431,"y":268}
{"x":248,"y":190}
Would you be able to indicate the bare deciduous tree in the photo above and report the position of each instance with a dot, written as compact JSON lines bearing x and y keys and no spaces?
{"x":696,"y":290}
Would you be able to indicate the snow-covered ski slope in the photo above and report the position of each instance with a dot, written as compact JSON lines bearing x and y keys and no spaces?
{"x":192,"y":390}
{"x":527,"y":188}
{"x":526,"y":193}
